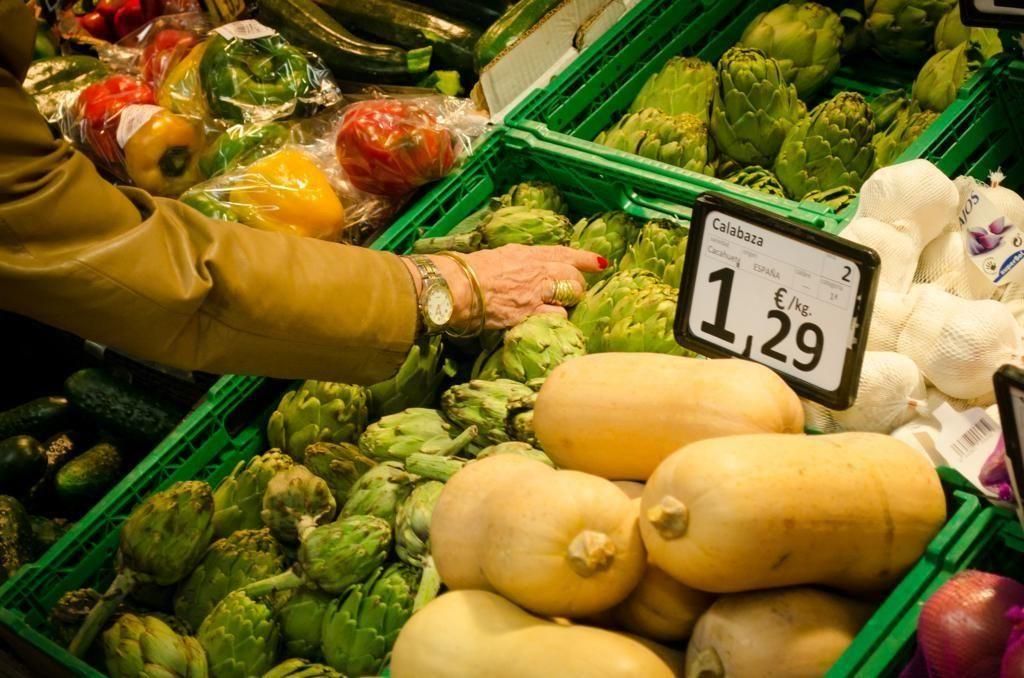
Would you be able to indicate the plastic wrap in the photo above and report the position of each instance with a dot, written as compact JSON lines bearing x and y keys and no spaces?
{"x":156,"y":48}
{"x":99,"y":22}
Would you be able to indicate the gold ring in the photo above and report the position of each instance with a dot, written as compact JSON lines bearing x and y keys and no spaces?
{"x":563,"y":293}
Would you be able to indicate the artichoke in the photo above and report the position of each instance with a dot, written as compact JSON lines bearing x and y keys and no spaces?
{"x":360,"y":629}
{"x":45,"y":533}
{"x":339,"y":465}
{"x":830,"y":148}
{"x":483,"y":404}
{"x":379,"y":492}
{"x":230,"y":563}
{"x":804,"y":37}
{"x":683,"y":85}
{"x":904,"y":29}
{"x":433,"y":467}
{"x":538,"y":345}
{"x":535,"y":195}
{"x":518,"y":448}
{"x":838,"y":198}
{"x":300,"y":668}
{"x":459,"y":242}
{"x":240,"y":636}
{"x":238,"y":499}
{"x":15,"y":537}
{"x":680,"y":140}
{"x":754,"y":107}
{"x":490,"y":364}
{"x":887,"y":106}
{"x":71,"y":610}
{"x":607,"y":234}
{"x":910,"y":124}
{"x":320,"y":411}
{"x":951,"y":32}
{"x":301,"y":618}
{"x":417,"y":429}
{"x":757,"y":178}
{"x":296,"y":500}
{"x":519,"y":423}
{"x":417,"y":382}
{"x":146,"y":646}
{"x":660,"y":249}
{"x":525,"y":226}
{"x":412,"y":527}
{"x":940,"y":79}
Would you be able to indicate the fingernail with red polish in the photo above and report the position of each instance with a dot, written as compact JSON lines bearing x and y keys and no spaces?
{"x":602,"y":263}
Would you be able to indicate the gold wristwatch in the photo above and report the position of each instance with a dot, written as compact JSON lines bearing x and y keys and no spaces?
{"x":435,"y":303}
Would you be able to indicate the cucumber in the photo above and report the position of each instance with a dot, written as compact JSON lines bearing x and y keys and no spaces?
{"x":305,"y":24}
{"x":405,"y":24}
{"x":478,"y":12}
{"x":40,"y":417}
{"x":88,"y":476}
{"x":22,"y":464}
{"x":125,"y":411}
{"x":510,"y":28}
{"x":15,"y":537}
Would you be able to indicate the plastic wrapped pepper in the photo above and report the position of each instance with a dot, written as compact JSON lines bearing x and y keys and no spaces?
{"x":181,"y":92}
{"x":240,"y":145}
{"x":164,"y":51}
{"x":98,"y":111}
{"x":162,"y":156}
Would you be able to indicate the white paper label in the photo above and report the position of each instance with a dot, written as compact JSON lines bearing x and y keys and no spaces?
{"x":249,"y":29}
{"x":132,"y":118}
{"x":774,"y":299}
{"x":966,"y":440}
{"x":994,"y":245}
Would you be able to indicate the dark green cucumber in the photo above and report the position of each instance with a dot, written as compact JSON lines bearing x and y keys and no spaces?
{"x":22,"y":464}
{"x":88,"y":476}
{"x":40,"y":417}
{"x":305,"y":24}
{"x":481,"y":13}
{"x":408,"y":25}
{"x":15,"y":537}
{"x":510,"y":28}
{"x":123,"y":410}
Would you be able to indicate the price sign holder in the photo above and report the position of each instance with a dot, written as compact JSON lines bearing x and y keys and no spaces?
{"x":1004,"y":14}
{"x":794,"y":299}
{"x":1009,"y":383}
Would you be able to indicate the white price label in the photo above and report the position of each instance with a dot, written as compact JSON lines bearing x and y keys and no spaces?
{"x":249,"y":29}
{"x":132,"y":118}
{"x":778,"y":294}
{"x":1004,"y":14}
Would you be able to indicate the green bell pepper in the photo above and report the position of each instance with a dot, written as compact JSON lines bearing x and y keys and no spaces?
{"x":239,"y":75}
{"x":45,"y":46}
{"x":241,"y":145}
{"x":210,"y":205}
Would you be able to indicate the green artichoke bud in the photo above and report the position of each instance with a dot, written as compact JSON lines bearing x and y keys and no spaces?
{"x":460,"y":242}
{"x":683,"y":85}
{"x":517,"y":448}
{"x":535,"y":195}
{"x":15,"y":537}
{"x":660,"y":249}
{"x":417,"y":381}
{"x":146,"y":646}
{"x":296,"y":500}
{"x":680,"y":140}
{"x":300,"y":668}
{"x":830,"y":148}
{"x":607,"y":234}
{"x":339,"y":465}
{"x":433,"y":467}
{"x":301,"y":618}
{"x":360,"y":629}
{"x":887,"y":106}
{"x":243,"y":557}
{"x":525,"y":226}
{"x":757,"y":178}
{"x":240,"y":636}
{"x":519,"y":423}
{"x":951,"y":32}
{"x":483,"y":404}
{"x":904,"y":29}
{"x":72,"y":609}
{"x":412,"y":527}
{"x":320,"y":411}
{"x":379,"y":492}
{"x":904,"y":131}
{"x":754,"y":107}
{"x":538,"y":345}
{"x":417,"y":429}
{"x":238,"y":499}
{"x":942,"y":76}
{"x":804,"y":37}
{"x":490,"y":364}
{"x":838,"y":198}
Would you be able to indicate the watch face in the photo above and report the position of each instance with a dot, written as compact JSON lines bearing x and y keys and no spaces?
{"x":439,"y":306}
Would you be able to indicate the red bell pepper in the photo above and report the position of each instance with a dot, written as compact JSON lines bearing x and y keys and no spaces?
{"x":163,"y":52}
{"x":129,"y":18}
{"x":95,"y":24}
{"x":99,"y":106}
{"x":108,"y":8}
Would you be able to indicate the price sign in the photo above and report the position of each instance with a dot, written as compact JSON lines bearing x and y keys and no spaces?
{"x":794,"y":299}
{"x":1009,"y":383}
{"x":1005,"y":14}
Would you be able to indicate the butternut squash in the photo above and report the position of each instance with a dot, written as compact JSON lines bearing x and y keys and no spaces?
{"x":618,"y":415}
{"x":789,"y":633}
{"x":660,"y":608}
{"x":848,"y":510}
{"x":476,"y":633}
{"x":459,"y":520}
{"x":562,"y":544}
{"x":632,"y":489}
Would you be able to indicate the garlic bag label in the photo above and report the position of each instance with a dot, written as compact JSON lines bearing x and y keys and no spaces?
{"x":132,"y":119}
{"x":993,"y":243}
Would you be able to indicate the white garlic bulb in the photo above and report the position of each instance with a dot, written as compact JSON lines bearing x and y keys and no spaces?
{"x":916,"y":192}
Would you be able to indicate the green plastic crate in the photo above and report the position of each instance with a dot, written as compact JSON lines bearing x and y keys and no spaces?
{"x":594,"y":90}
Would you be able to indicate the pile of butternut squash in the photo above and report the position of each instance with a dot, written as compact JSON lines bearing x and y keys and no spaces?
{"x":688,"y":505}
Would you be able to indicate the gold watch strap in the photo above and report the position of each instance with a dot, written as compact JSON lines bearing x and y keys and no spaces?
{"x":431,"y":277}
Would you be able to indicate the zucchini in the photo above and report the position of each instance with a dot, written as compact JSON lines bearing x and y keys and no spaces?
{"x":123,"y":410}
{"x":405,"y":24}
{"x":478,"y":12}
{"x":15,"y":537}
{"x":39,"y":417}
{"x":510,"y":28}
{"x":305,"y":24}
{"x":88,"y":476}
{"x":22,"y":464}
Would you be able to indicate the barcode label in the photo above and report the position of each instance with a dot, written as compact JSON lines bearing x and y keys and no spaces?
{"x":248,"y":29}
{"x":132,"y":119}
{"x":973,"y":437}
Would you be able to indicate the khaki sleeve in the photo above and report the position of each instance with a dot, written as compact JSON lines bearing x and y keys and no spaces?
{"x":160,"y":281}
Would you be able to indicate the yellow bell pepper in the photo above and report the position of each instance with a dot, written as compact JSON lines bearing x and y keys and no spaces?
{"x":181,"y":91}
{"x":285,"y":191}
{"x":162,"y":156}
